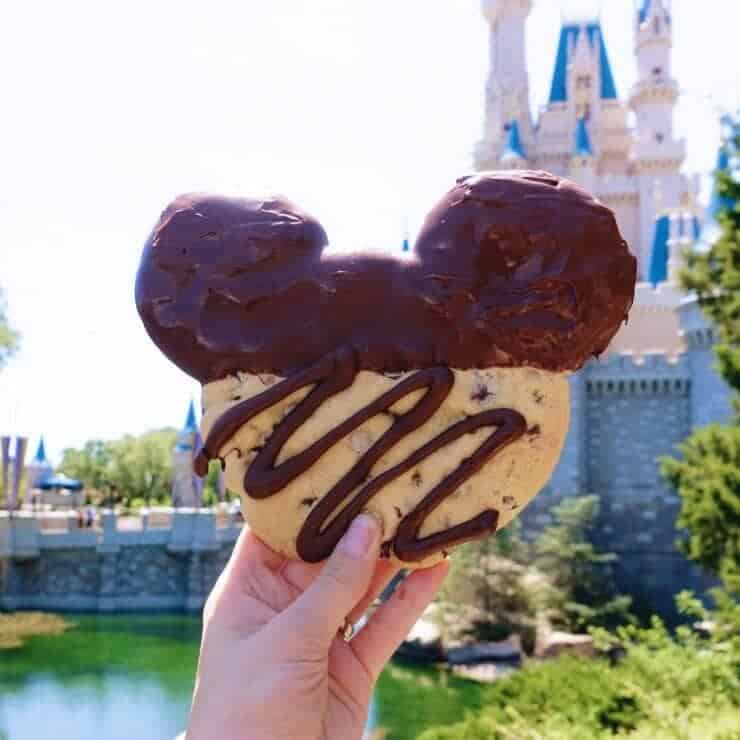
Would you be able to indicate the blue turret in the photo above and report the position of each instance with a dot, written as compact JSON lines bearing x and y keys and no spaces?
{"x":568,"y":39}
{"x":583,"y":140}
{"x":40,"y":456}
{"x":189,"y":430}
{"x":660,"y":255}
{"x":514,"y":149}
{"x":39,"y":468}
{"x":185,"y":487}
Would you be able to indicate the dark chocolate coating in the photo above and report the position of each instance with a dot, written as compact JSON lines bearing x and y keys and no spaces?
{"x":510,"y":269}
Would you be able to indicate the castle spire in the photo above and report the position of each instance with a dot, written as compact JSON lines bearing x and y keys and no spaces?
{"x":657,"y":153}
{"x":190,"y":422}
{"x":40,"y":456}
{"x":507,"y":90}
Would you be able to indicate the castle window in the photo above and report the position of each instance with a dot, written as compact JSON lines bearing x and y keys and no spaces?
{"x":633,"y":386}
{"x":677,"y":385}
{"x":620,"y":386}
{"x":666,"y":386}
{"x":657,"y":26}
{"x":583,"y":82}
{"x":610,"y":386}
{"x":657,"y":71}
{"x":583,"y":111}
{"x":659,"y":138}
{"x":588,"y":387}
{"x":655,"y":386}
{"x":643,"y":385}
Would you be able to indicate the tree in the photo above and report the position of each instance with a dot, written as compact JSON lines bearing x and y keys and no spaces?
{"x":503,"y":585}
{"x":707,"y":476}
{"x":490,"y":591}
{"x":92,"y":465}
{"x":8,"y":337}
{"x":125,"y":469}
{"x":142,"y":466}
{"x":582,"y":592}
{"x":715,"y":275}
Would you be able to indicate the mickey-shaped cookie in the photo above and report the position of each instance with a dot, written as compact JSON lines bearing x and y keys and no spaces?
{"x":428,"y":388}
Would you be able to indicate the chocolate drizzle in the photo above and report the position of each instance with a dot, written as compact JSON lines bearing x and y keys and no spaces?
{"x":331,"y":516}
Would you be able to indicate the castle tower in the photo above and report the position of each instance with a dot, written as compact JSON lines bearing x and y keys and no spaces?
{"x":583,"y":161}
{"x":185,"y":488}
{"x":507,"y":90}
{"x":38,"y":469}
{"x":658,"y":156}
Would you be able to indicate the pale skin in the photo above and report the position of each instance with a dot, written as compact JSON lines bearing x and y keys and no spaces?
{"x":273,"y":665}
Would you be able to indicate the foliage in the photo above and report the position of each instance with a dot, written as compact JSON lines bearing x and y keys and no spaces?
{"x":715,"y":275}
{"x":707,"y":476}
{"x":664,"y":688}
{"x":503,"y":585}
{"x":125,"y":469}
{"x":8,"y":337}
{"x":581,"y":593}
{"x":489,"y":593}
{"x":16,"y":628}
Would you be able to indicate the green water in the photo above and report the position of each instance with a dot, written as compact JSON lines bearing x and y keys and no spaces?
{"x":130,"y":677}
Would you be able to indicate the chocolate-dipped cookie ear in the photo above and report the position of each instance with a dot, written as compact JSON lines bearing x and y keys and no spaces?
{"x":208,"y":262}
{"x":548,"y":272}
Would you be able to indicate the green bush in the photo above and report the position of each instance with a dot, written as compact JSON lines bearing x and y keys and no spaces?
{"x":666,"y":687}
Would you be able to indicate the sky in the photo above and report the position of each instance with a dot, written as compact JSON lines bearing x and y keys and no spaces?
{"x":362,"y":112}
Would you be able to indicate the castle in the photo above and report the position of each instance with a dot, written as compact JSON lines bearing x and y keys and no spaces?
{"x":658,"y":381}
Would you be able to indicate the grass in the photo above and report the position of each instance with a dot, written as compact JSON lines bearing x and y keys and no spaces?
{"x":410,"y":700}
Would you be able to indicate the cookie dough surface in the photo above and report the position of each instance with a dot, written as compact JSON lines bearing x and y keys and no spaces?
{"x":507,"y":482}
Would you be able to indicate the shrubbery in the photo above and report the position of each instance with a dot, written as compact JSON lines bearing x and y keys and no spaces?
{"x":665,"y":687}
{"x":503,"y":585}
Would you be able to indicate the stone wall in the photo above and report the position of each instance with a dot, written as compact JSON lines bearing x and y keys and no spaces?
{"x":170,"y":567}
{"x":626,"y":413}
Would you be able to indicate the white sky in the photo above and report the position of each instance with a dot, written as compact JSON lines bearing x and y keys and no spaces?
{"x":362,"y":111}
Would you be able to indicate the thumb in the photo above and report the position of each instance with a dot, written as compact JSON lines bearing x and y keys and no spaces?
{"x":322,"y":608}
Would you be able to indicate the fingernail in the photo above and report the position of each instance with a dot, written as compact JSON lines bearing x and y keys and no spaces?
{"x":361,"y":535}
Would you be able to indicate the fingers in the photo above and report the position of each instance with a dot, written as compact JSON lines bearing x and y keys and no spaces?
{"x":385,"y":571}
{"x":391,"y":623}
{"x":321,"y":610}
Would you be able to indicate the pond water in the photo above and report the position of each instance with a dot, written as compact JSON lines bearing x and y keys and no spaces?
{"x":124,"y":677}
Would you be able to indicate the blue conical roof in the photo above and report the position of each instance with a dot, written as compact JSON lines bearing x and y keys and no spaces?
{"x":514,"y":149}
{"x":40,"y":456}
{"x":659,"y":255}
{"x":583,"y":140}
{"x":644,"y":10}
{"x":191,"y":425}
{"x":569,"y":34}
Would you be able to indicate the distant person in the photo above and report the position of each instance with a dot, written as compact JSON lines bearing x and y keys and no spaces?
{"x":90,"y":517}
{"x":273,"y":664}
